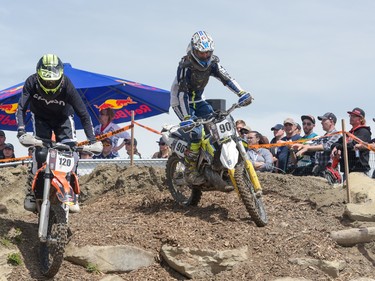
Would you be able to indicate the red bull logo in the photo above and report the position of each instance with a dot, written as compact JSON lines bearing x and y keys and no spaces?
{"x":115,"y":104}
{"x":9,"y":108}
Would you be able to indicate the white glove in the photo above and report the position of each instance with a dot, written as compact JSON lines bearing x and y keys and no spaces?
{"x":95,"y":148}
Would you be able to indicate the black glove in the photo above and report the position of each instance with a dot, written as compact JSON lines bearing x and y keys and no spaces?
{"x":20,"y":132}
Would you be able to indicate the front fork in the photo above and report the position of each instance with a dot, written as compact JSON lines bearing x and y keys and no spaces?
{"x":249,"y":168}
{"x":45,"y":208}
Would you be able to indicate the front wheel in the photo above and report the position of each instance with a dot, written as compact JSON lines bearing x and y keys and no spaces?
{"x":253,"y":203}
{"x":52,"y":251}
{"x":184,"y":194}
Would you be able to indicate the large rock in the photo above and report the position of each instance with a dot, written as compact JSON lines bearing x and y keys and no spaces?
{"x":362,"y":188}
{"x":332,"y":268}
{"x":200,"y":263}
{"x":110,"y":259}
{"x":360,"y":212}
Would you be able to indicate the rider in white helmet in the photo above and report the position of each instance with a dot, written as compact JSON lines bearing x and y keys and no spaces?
{"x":187,"y":98}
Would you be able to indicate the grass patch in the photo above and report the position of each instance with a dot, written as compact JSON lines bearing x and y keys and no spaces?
{"x":14,"y":259}
{"x":5,"y":242}
{"x":92,"y":268}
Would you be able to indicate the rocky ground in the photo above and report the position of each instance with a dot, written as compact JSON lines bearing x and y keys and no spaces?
{"x":132,"y":206}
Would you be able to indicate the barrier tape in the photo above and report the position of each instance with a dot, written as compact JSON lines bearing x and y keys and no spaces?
{"x":14,"y":159}
{"x":368,"y":146}
{"x":107,"y":135}
{"x":147,"y":128}
{"x":268,"y":145}
{"x":290,"y":143}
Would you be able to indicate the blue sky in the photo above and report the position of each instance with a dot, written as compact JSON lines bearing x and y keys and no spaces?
{"x":296,"y":57}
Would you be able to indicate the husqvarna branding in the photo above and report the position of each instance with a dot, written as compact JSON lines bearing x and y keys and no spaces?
{"x":59,"y":102}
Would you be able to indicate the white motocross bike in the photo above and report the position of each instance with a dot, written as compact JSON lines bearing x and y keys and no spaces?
{"x":222,"y":160}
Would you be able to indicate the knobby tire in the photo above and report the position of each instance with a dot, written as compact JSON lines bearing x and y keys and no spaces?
{"x":184,"y":195}
{"x":52,"y":254}
{"x":254,"y":205}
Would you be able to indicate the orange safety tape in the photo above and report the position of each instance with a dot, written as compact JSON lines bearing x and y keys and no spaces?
{"x":14,"y":159}
{"x":368,"y":146}
{"x":289,"y":143}
{"x":107,"y":135}
{"x":148,"y":128}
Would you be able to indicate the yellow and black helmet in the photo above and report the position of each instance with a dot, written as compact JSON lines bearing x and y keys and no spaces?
{"x":50,"y":72}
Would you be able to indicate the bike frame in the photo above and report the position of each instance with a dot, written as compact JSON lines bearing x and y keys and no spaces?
{"x":55,"y":177}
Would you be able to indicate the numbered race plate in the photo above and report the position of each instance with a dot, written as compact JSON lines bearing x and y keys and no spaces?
{"x":59,"y":162}
{"x":180,"y":148}
{"x":225,"y":129}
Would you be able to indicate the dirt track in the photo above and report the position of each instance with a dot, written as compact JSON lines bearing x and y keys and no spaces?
{"x":132,"y":206}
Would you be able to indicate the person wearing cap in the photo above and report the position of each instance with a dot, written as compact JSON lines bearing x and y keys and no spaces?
{"x":244,"y":131}
{"x":8,"y":151}
{"x":278,"y":133}
{"x":322,"y":146}
{"x":308,"y":124}
{"x":164,"y":150}
{"x":136,"y":154}
{"x":358,"y":158}
{"x":306,"y":162}
{"x":86,"y":155}
{"x":285,"y":159}
{"x":107,"y":150}
{"x":106,"y":117}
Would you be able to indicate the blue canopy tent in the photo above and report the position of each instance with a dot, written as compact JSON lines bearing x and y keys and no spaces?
{"x":98,"y":91}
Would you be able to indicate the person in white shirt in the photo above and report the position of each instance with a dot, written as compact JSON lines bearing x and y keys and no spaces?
{"x":106,"y":125}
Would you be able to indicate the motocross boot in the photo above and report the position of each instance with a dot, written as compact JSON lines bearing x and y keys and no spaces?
{"x":75,"y":208}
{"x":191,"y":173}
{"x":29,"y":204}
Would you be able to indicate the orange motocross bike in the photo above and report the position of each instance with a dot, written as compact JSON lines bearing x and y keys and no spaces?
{"x":56,"y":187}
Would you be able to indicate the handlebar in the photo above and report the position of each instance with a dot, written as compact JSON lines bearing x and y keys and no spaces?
{"x":31,"y":141}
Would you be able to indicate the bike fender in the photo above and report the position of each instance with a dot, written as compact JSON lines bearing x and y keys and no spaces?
{"x":64,"y":191}
{"x":35,"y":179}
{"x":229,"y":155}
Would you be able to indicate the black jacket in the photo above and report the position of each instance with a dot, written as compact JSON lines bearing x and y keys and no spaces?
{"x":51,"y":108}
{"x":356,"y":164}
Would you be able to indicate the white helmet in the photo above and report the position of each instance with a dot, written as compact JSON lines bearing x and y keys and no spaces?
{"x":202,"y":47}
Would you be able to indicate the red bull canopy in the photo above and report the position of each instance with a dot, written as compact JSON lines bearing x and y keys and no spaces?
{"x":98,"y":91}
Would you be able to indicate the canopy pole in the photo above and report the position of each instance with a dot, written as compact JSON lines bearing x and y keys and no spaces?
{"x":346,"y":164}
{"x":132,"y":139}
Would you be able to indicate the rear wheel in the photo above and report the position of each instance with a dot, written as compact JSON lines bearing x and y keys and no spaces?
{"x":252,"y":201}
{"x":52,"y":251}
{"x":184,"y":194}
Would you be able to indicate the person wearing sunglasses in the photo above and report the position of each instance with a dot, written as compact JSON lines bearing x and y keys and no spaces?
{"x":107,"y":150}
{"x":305,"y":163}
{"x":164,"y":150}
{"x":358,"y":158}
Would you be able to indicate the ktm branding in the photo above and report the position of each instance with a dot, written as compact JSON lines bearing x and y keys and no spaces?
{"x":59,"y":102}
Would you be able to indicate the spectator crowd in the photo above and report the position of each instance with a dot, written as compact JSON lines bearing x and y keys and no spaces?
{"x":293,"y":149}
